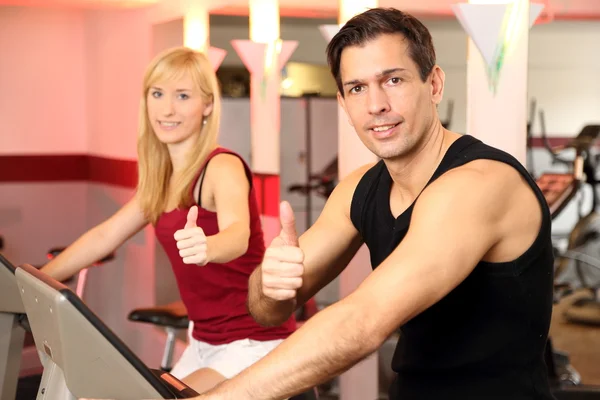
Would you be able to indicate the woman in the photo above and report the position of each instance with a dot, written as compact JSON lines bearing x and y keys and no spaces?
{"x":200,"y":200}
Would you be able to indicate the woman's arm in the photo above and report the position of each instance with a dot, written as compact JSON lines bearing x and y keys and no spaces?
{"x":227,"y":186}
{"x":227,"y":181}
{"x":97,"y":242}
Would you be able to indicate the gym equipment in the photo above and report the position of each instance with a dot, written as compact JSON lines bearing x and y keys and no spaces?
{"x":173,"y":317}
{"x":14,"y":326}
{"x":579,"y":266}
{"x":12,"y":331}
{"x":322,"y":183}
{"x":82,"y":357}
{"x":559,"y":189}
{"x":82,"y":275}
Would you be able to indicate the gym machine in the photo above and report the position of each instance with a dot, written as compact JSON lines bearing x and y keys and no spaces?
{"x":82,"y":357}
{"x":559,"y":189}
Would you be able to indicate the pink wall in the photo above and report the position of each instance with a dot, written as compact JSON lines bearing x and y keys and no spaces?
{"x":42,"y":78}
{"x":71,"y":80}
{"x":118,"y":50}
{"x":70,"y":84}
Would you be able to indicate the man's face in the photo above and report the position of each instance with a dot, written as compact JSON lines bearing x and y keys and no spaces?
{"x":388,"y":105}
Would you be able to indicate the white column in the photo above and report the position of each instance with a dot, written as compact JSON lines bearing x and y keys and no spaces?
{"x":361,"y":381}
{"x":497,"y":65}
{"x":264,"y":55}
{"x":264,"y":20}
{"x":265,"y":101}
{"x":196,"y":31}
{"x":196,"y":26}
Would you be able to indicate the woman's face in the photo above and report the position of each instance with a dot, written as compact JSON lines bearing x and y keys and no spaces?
{"x":176,"y":110}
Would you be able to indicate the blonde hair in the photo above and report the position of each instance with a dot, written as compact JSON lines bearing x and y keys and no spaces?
{"x":154,"y":163}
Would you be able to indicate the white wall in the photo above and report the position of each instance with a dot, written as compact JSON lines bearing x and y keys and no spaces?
{"x":563,"y":74}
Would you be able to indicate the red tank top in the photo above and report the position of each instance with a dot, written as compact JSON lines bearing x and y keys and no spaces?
{"x":215,"y":295}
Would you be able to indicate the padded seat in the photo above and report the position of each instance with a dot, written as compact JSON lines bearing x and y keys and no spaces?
{"x":584,"y":311}
{"x":558,"y":190}
{"x":172,"y":315}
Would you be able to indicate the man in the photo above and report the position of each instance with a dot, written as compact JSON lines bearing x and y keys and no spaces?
{"x":459,"y":237}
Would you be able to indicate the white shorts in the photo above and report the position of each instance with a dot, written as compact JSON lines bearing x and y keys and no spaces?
{"x":227,"y":359}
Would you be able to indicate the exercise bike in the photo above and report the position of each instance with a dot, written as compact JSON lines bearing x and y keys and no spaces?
{"x":80,"y":356}
{"x":578,"y":268}
{"x":173,"y":317}
{"x":15,"y":335}
{"x":559,"y":189}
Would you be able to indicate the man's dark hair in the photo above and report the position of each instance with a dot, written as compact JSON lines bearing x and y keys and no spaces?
{"x":378,"y":21}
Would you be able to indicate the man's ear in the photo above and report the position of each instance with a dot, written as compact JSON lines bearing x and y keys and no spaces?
{"x":438,"y":78}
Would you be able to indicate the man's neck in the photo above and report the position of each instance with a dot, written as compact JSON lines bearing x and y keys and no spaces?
{"x":411,"y":172}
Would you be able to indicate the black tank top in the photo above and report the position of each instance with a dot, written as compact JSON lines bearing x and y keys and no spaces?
{"x":486,"y":338}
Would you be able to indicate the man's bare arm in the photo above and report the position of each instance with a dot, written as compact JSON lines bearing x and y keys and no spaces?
{"x":326,"y":249}
{"x":457,"y":220}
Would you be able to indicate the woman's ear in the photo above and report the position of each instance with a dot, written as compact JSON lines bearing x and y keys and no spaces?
{"x":208,"y":109}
